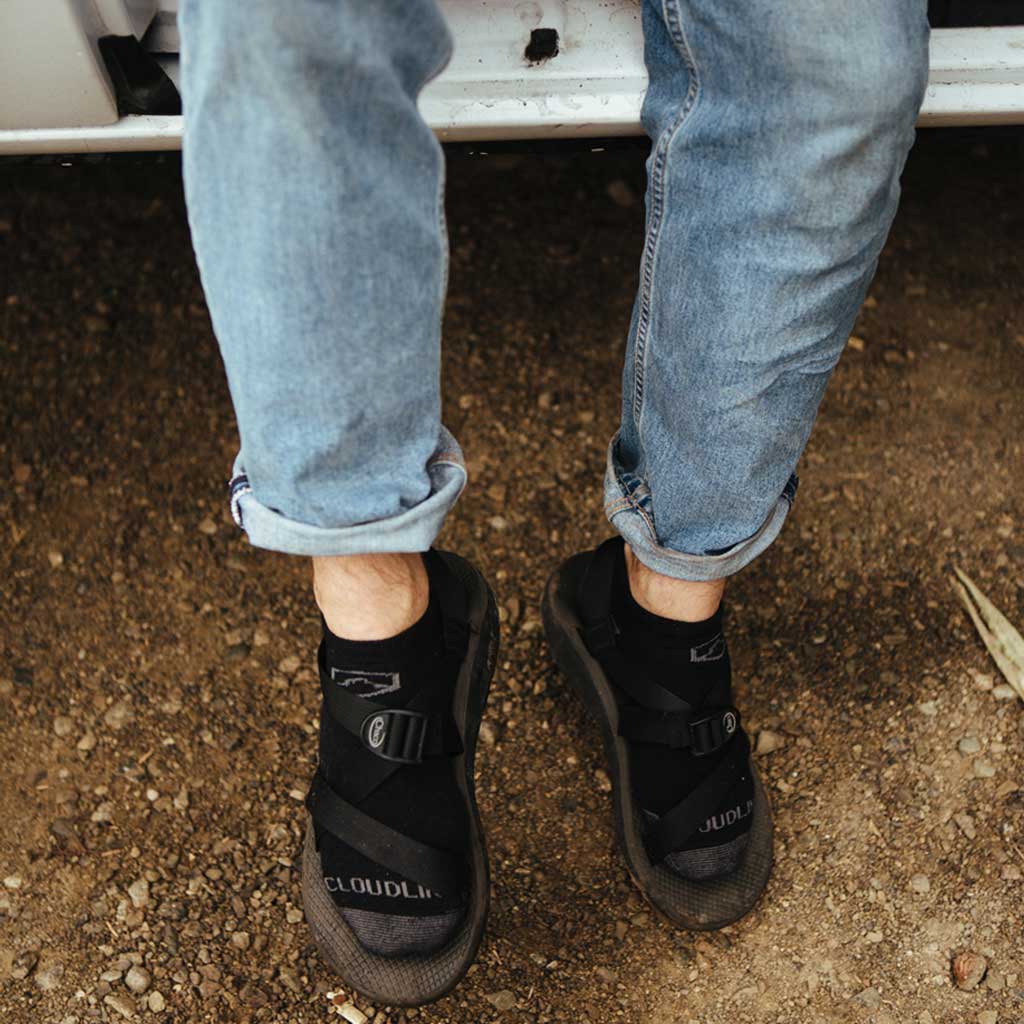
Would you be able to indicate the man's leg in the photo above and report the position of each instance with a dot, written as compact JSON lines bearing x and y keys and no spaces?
{"x":778,"y":135}
{"x":315,"y":199}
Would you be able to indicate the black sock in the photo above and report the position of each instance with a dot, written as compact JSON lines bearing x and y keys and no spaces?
{"x":691,"y":659}
{"x":391,"y":914}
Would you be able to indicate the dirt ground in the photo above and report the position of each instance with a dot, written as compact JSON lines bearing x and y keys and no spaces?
{"x":157,"y":695}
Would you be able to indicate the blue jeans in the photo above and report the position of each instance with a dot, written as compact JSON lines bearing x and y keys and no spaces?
{"x":315,"y":197}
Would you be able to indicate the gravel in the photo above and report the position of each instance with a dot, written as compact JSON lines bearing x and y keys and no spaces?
{"x":185,"y":660}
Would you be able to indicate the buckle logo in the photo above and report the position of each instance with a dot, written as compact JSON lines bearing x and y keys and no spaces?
{"x":366,"y":684}
{"x":729,"y":723}
{"x":710,"y":650}
{"x":375,"y":733}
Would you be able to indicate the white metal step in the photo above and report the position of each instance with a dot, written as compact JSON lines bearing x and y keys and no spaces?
{"x":593,"y":88}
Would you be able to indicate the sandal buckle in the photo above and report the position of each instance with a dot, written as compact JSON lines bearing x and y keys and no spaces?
{"x":395,"y":734}
{"x":711,"y":733}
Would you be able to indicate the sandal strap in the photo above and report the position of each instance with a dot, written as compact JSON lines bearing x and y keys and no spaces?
{"x":401,"y":735}
{"x":671,"y":831}
{"x":430,"y":867}
{"x":703,"y":732}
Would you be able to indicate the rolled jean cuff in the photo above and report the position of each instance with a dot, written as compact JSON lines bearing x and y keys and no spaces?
{"x":633,"y":521}
{"x":412,"y":529}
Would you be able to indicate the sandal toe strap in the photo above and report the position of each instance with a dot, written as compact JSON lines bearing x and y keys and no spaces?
{"x":432,"y":868}
{"x":671,"y":831}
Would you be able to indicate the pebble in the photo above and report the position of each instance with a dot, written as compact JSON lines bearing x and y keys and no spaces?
{"x":604,"y":784}
{"x":929,"y":708}
{"x":352,"y":1013}
{"x":62,"y":726}
{"x":138,"y":893}
{"x":121,"y":1003}
{"x":983,"y":769}
{"x":240,"y":940}
{"x":118,"y":715}
{"x":966,"y":825}
{"x":968,"y":970}
{"x":768,"y":742}
{"x":87,"y":742}
{"x":969,"y":745}
{"x":55,"y":558}
{"x":981,"y":679}
{"x":987,"y":1017}
{"x":921,"y":883}
{"x":503,"y":1000}
{"x":290,"y":665}
{"x":1004,"y":691}
{"x":49,"y":977}
{"x":869,"y":997}
{"x":156,"y":1002}
{"x":207,"y":526}
{"x":488,"y":734}
{"x":138,"y":979}
{"x":12,"y":882}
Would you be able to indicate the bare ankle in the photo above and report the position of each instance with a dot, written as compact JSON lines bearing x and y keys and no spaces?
{"x":370,"y":597}
{"x":682,"y":600}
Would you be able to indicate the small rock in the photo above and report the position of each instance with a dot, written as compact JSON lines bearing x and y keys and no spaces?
{"x":1004,"y":691}
{"x":207,"y":526}
{"x":352,"y":1013}
{"x":768,"y":742}
{"x":156,"y":1002}
{"x":138,"y":893}
{"x":856,"y":343}
{"x":983,"y":769}
{"x":181,"y":800}
{"x":604,"y":784}
{"x":921,"y":883}
{"x":869,"y":997}
{"x":62,"y":726}
{"x":121,"y":1003}
{"x":968,"y":970}
{"x":137,"y":979}
{"x":966,"y":824}
{"x":969,"y":745}
{"x":290,"y":665}
{"x":929,"y":708}
{"x":488,"y":734}
{"x":987,"y":1017}
{"x":118,"y":715}
{"x":606,"y":975}
{"x":240,"y":940}
{"x":293,"y":915}
{"x":621,"y":927}
{"x":55,"y":558}
{"x":87,"y":742}
{"x":981,"y":679}
{"x":49,"y":977}
{"x":503,"y":1000}
{"x":12,"y":882}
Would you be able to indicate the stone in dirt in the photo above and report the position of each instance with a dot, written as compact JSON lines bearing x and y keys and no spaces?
{"x":968,"y":970}
{"x":137,"y":979}
{"x":503,"y":1000}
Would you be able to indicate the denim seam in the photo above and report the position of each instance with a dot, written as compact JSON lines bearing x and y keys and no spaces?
{"x":658,"y":189}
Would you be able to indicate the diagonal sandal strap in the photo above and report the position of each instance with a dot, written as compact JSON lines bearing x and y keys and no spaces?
{"x":671,"y":831}
{"x":432,"y":868}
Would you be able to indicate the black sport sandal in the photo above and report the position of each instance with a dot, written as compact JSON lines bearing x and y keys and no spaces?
{"x":582,"y":635}
{"x":402,"y":738}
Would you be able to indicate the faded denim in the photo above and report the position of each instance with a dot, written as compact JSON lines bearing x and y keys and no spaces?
{"x":314,"y":188}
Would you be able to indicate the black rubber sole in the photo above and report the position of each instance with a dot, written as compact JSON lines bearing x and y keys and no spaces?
{"x":698,"y":905}
{"x":416,"y":980}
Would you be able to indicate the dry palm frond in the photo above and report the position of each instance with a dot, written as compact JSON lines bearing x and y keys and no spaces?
{"x":1003,"y":641}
